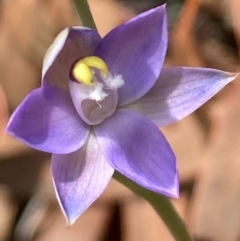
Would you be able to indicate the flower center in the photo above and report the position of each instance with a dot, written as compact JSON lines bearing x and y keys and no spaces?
{"x":94,"y":89}
{"x":84,"y":71}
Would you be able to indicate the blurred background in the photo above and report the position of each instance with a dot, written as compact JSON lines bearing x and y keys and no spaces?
{"x":203,"y":33}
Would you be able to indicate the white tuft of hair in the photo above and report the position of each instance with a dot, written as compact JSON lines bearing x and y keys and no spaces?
{"x":114,"y":81}
{"x":98,"y":93}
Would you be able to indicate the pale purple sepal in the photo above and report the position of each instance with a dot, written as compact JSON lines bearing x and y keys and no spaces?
{"x":80,"y":177}
{"x":70,"y":45}
{"x":48,"y":121}
{"x":136,"y":50}
{"x":178,"y":92}
{"x":135,"y":147}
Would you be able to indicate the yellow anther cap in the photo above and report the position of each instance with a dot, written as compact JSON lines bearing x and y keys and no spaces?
{"x":82,"y":71}
{"x":96,"y":62}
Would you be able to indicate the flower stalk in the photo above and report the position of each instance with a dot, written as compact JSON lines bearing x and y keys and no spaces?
{"x":162,"y":206}
{"x":84,"y":12}
{"x":160,"y":203}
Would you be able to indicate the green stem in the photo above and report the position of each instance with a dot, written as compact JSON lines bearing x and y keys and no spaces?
{"x":84,"y":13}
{"x":162,"y":205}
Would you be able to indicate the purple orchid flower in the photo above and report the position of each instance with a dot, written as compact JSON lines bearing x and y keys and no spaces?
{"x":93,"y":109}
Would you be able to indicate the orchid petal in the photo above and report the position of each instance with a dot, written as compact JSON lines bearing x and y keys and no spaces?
{"x":48,"y":121}
{"x":178,"y":92}
{"x":80,"y":177}
{"x":137,"y":57}
{"x":136,"y":148}
{"x":70,"y":45}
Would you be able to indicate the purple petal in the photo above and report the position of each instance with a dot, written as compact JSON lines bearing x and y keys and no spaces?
{"x":47,"y":121}
{"x":80,"y":178}
{"x":178,"y":92}
{"x":70,"y":45}
{"x":137,"y":149}
{"x":91,"y":111}
{"x":136,"y":50}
